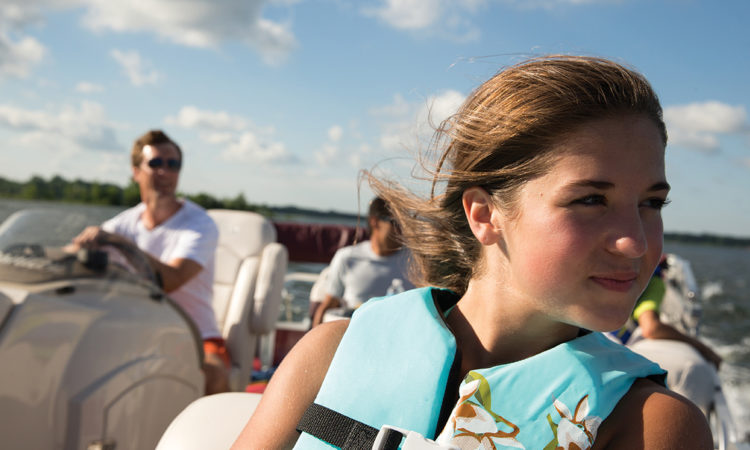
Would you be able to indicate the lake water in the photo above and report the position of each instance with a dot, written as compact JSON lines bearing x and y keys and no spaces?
{"x":723,"y":275}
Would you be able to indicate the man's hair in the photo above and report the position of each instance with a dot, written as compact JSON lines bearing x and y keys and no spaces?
{"x":379,"y":209}
{"x":151,"y":137}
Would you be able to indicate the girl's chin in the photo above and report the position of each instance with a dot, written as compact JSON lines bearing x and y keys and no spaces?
{"x":605,"y":322}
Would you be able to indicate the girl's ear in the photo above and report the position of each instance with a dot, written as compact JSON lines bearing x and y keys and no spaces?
{"x":482,"y":215}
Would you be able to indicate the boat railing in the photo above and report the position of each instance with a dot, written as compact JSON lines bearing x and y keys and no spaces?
{"x":292,"y":311}
{"x":682,"y":306}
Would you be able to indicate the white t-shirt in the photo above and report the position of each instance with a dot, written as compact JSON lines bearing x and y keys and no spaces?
{"x":357,"y":274}
{"x":191,"y":234}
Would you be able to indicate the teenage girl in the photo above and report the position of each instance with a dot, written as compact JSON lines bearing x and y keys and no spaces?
{"x":543,"y":227}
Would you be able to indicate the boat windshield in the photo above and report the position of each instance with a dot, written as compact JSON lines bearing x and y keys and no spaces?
{"x":41,"y":227}
{"x":32,"y":249}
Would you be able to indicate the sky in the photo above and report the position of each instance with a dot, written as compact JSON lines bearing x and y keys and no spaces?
{"x":286,"y":101}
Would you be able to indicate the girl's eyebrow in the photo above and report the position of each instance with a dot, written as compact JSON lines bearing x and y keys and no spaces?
{"x":604,"y":185}
{"x":660,"y":186}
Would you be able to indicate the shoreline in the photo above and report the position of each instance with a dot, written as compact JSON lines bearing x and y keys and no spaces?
{"x":284,"y":213}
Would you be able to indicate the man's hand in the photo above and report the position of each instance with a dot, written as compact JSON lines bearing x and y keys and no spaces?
{"x":90,"y":237}
{"x":653,"y":328}
{"x":173,"y":273}
{"x":328,"y":302}
{"x":94,"y":236}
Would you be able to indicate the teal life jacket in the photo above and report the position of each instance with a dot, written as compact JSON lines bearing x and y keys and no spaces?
{"x":398,"y":364}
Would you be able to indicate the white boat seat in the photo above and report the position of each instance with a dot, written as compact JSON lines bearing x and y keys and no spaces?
{"x":688,"y":373}
{"x":211,"y":422}
{"x":248,"y":281}
{"x":317,"y":292}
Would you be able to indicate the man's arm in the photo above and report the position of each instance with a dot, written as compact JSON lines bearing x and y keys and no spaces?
{"x":653,"y":328}
{"x":173,"y":273}
{"x":328,"y":302}
{"x":333,"y":285}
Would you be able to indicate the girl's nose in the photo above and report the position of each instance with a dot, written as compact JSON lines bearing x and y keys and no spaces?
{"x":629,"y":236}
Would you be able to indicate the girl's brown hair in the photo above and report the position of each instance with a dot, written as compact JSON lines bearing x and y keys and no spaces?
{"x":499,"y":139}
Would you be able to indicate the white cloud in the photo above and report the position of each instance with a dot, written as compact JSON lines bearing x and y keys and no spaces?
{"x":17,"y":58}
{"x":453,"y":19}
{"x":399,"y":107}
{"x":327,"y":155}
{"x":137,"y":70}
{"x":550,"y":4}
{"x":250,"y":148}
{"x":193,"y":118}
{"x":85,"y":87}
{"x":447,"y":18}
{"x":84,"y":126}
{"x":238,"y":137}
{"x":700,"y":125}
{"x":18,"y":14}
{"x":713,"y":117}
{"x":217,"y":138}
{"x":442,"y":106}
{"x":403,"y":126}
{"x":358,"y":158}
{"x":197,"y":23}
{"x":409,"y":14}
{"x":409,"y":130}
{"x":335,"y":133}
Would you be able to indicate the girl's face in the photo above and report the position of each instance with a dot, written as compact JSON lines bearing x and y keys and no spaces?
{"x":587,"y":236}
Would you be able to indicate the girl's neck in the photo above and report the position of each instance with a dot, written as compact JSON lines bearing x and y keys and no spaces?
{"x":494,"y":327}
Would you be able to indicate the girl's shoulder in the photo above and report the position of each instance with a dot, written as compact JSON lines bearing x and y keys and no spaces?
{"x":650,"y":416}
{"x":292,"y":389}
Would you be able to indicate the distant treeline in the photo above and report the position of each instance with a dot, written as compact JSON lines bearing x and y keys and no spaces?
{"x":708,"y":239}
{"x":78,"y":191}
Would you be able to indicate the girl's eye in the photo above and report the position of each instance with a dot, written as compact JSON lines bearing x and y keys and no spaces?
{"x":591,"y":200}
{"x":656,"y":203}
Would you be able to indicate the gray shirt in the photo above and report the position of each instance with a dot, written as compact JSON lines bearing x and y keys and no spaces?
{"x":357,"y":274}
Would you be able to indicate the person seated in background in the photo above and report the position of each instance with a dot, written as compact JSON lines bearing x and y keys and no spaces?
{"x":372,"y":268}
{"x":179,"y":239}
{"x":692,"y":374}
{"x":645,"y":319}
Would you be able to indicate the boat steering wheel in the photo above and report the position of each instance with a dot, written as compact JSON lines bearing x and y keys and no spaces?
{"x":138,"y":260}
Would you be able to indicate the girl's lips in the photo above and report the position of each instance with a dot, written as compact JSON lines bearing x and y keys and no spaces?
{"x":617,"y":283}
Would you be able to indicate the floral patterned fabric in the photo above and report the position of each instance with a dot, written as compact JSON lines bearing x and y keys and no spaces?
{"x":554,"y":400}
{"x":393,"y":363}
{"x":473,"y":424}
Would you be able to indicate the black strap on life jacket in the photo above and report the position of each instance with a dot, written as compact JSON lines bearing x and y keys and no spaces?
{"x":342,"y":431}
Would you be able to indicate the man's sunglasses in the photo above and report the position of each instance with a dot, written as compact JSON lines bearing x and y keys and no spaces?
{"x":159,"y":162}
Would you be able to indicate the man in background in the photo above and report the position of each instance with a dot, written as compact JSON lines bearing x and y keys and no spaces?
{"x":645,"y":319}
{"x":178,"y":238}
{"x":372,"y":268}
{"x":692,"y":374}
